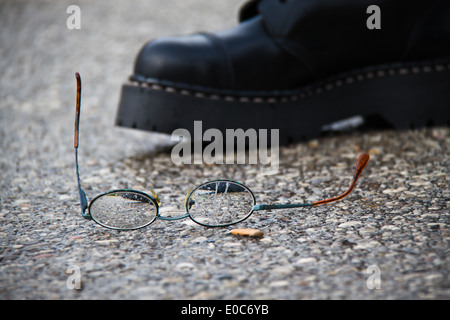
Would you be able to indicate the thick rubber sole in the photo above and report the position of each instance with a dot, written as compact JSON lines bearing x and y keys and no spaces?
{"x":400,"y":96}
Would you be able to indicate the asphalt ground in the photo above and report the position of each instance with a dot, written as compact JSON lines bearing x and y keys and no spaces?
{"x":388,"y":240}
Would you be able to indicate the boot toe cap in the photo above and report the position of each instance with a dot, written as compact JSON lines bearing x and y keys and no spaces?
{"x":182,"y":60}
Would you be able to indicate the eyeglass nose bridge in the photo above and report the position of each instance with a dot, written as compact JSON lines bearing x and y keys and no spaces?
{"x":172,"y":218}
{"x":187,"y":204}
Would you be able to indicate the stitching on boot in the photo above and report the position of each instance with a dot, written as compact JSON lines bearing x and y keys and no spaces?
{"x":306,"y":92}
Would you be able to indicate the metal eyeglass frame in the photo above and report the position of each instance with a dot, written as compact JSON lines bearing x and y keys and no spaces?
{"x":360,"y":165}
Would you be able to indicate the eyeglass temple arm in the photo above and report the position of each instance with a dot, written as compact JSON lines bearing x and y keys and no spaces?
{"x":83,"y":198}
{"x":360,"y":165}
{"x":77,"y":110}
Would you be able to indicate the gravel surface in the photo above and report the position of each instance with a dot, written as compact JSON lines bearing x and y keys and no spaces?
{"x":394,"y":227}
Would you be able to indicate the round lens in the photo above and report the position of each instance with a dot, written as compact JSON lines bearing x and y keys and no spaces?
{"x":123,"y":210}
{"x":220,"y":203}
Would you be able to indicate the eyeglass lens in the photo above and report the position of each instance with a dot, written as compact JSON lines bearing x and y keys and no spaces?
{"x":124,"y":210}
{"x":220,"y":203}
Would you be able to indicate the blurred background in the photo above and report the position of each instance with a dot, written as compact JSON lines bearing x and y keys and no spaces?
{"x":39,"y":56}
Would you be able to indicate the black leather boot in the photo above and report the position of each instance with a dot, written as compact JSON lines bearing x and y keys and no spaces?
{"x":299,"y":66}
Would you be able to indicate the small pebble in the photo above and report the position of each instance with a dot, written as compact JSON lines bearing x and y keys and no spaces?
{"x":248,"y":232}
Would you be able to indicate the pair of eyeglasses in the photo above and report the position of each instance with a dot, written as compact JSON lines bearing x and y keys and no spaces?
{"x":216,"y":203}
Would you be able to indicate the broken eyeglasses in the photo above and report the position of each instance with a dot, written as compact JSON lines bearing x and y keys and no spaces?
{"x":216,"y":203}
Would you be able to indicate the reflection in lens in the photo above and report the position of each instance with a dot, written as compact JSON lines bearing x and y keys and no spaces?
{"x":123,"y":210}
{"x":220,"y":203}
